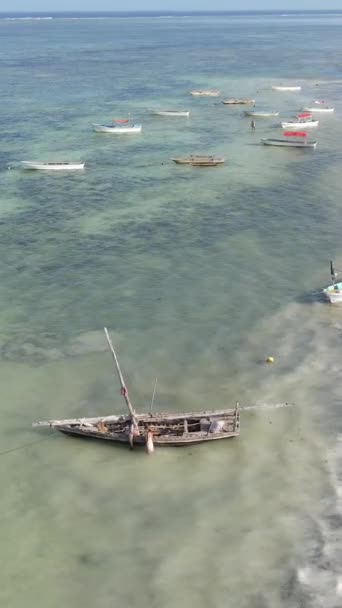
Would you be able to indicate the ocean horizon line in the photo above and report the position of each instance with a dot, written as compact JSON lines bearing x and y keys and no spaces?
{"x":176,"y":13}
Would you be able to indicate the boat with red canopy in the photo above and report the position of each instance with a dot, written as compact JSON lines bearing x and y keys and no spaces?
{"x":291,"y":139}
{"x":302,"y":119}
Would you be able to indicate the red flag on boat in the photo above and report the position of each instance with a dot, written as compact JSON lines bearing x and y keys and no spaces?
{"x":295,"y":134}
{"x":304,"y":115}
{"x":121,"y":120}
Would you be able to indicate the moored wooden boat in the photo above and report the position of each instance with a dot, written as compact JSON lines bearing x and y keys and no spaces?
{"x":117,"y":129}
{"x":286,"y":87}
{"x":167,"y":113}
{"x":52,"y":166}
{"x":300,"y":124}
{"x":261,"y":113}
{"x":199,"y":160}
{"x":157,"y":429}
{"x":319,"y":108}
{"x":291,"y":139}
{"x":234,"y":101}
{"x":333,"y":292}
{"x":205,"y":93}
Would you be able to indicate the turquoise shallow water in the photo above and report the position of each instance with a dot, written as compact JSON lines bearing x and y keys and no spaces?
{"x":199,"y":274}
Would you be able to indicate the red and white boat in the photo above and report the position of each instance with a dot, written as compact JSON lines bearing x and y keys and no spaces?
{"x":304,"y":119}
{"x":291,"y":139}
{"x":119,"y":126}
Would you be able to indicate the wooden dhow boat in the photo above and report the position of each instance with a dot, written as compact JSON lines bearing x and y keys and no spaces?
{"x":233,"y":101}
{"x":200,"y":160}
{"x":52,"y":166}
{"x":151,"y":429}
{"x":334,"y":291}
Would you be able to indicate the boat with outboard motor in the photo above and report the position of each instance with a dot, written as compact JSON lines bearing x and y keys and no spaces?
{"x":151,"y":429}
{"x":334,"y":291}
{"x":291,"y":139}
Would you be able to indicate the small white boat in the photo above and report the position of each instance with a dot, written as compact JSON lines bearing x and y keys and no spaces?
{"x":199,"y":160}
{"x":320,"y":108}
{"x":117,"y":129}
{"x":261,"y":113}
{"x":286,"y":88}
{"x":300,"y":124}
{"x":52,"y":166}
{"x":234,"y":101}
{"x":333,"y":292}
{"x":291,"y":139}
{"x":171,"y":113}
{"x":205,"y":93}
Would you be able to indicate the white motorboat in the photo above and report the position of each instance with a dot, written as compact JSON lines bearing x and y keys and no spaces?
{"x":117,"y":129}
{"x":300,"y":124}
{"x":52,"y":166}
{"x":261,"y":113}
{"x":235,"y":101}
{"x":333,"y":292}
{"x":205,"y":93}
{"x":291,"y":139}
{"x":320,"y":108}
{"x":171,"y":113}
{"x":286,"y":88}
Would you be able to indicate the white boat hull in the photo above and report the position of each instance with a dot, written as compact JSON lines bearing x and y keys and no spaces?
{"x":261,"y":114}
{"x":334,"y":293}
{"x":289,"y":143}
{"x":308,"y":124}
{"x":52,"y":166}
{"x":117,"y":130}
{"x":205,"y":93}
{"x":287,"y":88}
{"x":170,"y":113}
{"x":321,"y":109}
{"x":232,"y":102}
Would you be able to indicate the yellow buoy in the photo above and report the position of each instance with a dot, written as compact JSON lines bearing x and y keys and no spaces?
{"x":269,"y":359}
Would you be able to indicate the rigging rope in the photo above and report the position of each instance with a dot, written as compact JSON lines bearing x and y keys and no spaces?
{"x":26,"y":445}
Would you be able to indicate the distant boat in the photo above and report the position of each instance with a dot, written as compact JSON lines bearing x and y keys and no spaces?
{"x":199,"y":160}
{"x":261,"y":113}
{"x":291,"y":139}
{"x":320,"y":108}
{"x":52,"y":166}
{"x":170,"y":113}
{"x":205,"y":93}
{"x":334,"y":291}
{"x":117,"y":129}
{"x":300,"y":123}
{"x":286,"y":88}
{"x":238,"y":101}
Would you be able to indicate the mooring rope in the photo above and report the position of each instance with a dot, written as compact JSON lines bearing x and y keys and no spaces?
{"x":26,"y":445}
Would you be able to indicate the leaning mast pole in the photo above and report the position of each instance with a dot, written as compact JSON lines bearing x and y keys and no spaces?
{"x":124,"y":391}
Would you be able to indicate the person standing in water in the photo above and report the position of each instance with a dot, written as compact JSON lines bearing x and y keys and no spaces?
{"x":253,"y":124}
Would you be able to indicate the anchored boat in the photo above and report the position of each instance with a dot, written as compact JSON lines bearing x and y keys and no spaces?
{"x":205,"y":93}
{"x":291,"y":139}
{"x":320,"y":108}
{"x":199,"y":161}
{"x":238,"y":101}
{"x":171,"y":113}
{"x":334,"y":291}
{"x":286,"y":87}
{"x":52,"y":166}
{"x":261,"y":113}
{"x":149,"y":429}
{"x":304,"y":119}
{"x":119,"y":126}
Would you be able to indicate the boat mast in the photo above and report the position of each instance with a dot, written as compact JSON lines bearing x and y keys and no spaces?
{"x":124,"y":391}
{"x":332,"y":272}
